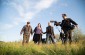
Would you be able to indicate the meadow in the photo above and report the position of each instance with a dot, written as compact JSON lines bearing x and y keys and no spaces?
{"x":16,"y":48}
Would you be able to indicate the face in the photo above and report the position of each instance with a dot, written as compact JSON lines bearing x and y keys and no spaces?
{"x":39,"y":25}
{"x":28,"y":24}
{"x":64,"y":17}
{"x":49,"y":23}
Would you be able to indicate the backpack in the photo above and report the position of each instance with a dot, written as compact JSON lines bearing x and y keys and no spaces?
{"x":68,"y":24}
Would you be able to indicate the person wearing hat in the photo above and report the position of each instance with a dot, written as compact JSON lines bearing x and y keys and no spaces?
{"x":26,"y":30}
{"x":67,"y":25}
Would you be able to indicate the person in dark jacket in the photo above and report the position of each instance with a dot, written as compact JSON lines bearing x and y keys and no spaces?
{"x":67,"y":25}
{"x":37,"y":34}
{"x":49,"y":33}
{"x":26,"y":30}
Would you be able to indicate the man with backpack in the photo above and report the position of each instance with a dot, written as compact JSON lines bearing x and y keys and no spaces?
{"x":67,"y":25}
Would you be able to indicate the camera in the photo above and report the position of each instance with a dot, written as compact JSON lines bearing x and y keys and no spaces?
{"x":55,"y":23}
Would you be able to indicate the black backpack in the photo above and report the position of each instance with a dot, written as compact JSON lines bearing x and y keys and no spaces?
{"x":68,"y":24}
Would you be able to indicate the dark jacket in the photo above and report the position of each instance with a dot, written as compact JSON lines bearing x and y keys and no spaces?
{"x":37,"y":37}
{"x":67,"y":24}
{"x":50,"y":30}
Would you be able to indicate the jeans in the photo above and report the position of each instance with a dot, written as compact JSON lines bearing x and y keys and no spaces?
{"x":49,"y":38}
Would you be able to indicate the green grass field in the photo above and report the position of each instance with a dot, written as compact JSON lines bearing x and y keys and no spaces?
{"x":16,"y":48}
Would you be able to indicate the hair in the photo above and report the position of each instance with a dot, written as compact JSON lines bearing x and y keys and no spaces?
{"x":40,"y":25}
{"x":64,"y":15}
{"x":28,"y":22}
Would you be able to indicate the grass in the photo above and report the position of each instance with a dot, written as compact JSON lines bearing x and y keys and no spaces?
{"x":16,"y":48}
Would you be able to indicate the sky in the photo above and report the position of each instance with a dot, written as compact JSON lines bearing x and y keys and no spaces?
{"x":15,"y":13}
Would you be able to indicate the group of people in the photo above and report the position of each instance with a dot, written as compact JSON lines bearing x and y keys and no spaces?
{"x":66,"y":25}
{"x":37,"y":38}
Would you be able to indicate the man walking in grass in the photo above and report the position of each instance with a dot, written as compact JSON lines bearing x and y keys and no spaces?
{"x":67,"y":26}
{"x":26,"y":30}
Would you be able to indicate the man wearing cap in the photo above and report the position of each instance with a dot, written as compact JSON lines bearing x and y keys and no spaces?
{"x":26,"y":30}
{"x":67,"y":26}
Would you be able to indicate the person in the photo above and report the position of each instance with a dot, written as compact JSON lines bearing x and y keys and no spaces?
{"x":26,"y":30}
{"x":37,"y":34}
{"x":49,"y":34}
{"x":67,"y":25}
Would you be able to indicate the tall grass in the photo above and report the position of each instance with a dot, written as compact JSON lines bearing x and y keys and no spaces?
{"x":16,"y":48}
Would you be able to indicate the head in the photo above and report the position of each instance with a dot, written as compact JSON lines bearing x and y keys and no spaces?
{"x":28,"y":23}
{"x":39,"y":25}
{"x":49,"y":24}
{"x":64,"y":16}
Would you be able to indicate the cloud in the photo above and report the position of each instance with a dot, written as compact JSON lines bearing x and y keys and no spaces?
{"x":43,"y":4}
{"x":64,"y":4}
{"x":27,"y":9}
{"x":5,"y":26}
{"x":28,"y":16}
{"x":18,"y":8}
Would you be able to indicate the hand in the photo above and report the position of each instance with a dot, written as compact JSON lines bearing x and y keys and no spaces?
{"x":54,"y":36}
{"x":62,"y":31}
{"x":44,"y":32}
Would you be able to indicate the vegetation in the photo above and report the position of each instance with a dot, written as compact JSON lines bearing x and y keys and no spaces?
{"x":16,"y":48}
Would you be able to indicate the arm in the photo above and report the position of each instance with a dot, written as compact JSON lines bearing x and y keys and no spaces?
{"x":35,"y":29}
{"x":22,"y":30}
{"x":62,"y":23}
{"x":73,"y":22}
{"x":52,"y":31}
{"x":31,"y":31}
{"x":46,"y":31}
{"x":41,"y":30}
